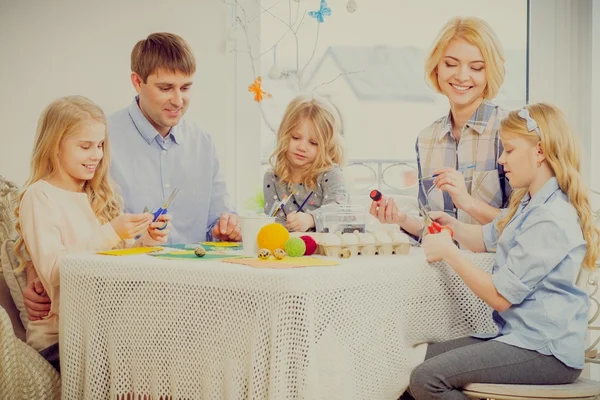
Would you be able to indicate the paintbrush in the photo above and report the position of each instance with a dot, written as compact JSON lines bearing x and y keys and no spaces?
{"x":283,"y":203}
{"x":304,"y":202}
{"x":463,"y":169}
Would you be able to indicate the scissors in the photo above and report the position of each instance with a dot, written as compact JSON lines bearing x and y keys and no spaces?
{"x":432,"y":226}
{"x":163,"y":210}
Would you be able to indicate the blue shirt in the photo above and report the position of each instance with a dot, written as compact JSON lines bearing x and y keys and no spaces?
{"x":147,"y":167}
{"x":538,"y":257}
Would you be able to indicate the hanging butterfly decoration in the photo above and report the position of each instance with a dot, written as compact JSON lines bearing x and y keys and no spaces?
{"x":256,"y":88}
{"x":323,"y":12}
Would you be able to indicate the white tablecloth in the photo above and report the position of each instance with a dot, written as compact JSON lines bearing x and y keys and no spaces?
{"x":212,"y":330}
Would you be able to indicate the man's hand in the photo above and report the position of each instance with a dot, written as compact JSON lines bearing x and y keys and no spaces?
{"x":227,"y":228}
{"x":36,"y":300}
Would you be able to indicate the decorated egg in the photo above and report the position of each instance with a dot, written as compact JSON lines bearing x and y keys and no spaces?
{"x":345,"y":253}
{"x":264,"y":254}
{"x":279,"y":254}
{"x":200,"y":251}
{"x":351,"y":6}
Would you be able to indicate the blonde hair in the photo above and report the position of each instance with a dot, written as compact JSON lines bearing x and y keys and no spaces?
{"x":326,"y":124}
{"x":478,"y":33}
{"x":61,"y":119}
{"x":561,"y":148}
{"x":162,"y":51}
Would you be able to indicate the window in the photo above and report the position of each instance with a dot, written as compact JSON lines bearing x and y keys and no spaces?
{"x":374,"y":75}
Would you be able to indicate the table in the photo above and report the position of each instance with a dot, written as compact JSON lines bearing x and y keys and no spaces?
{"x":213,"y":330}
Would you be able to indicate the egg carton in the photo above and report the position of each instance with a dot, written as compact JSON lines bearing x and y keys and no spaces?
{"x":364,"y":249}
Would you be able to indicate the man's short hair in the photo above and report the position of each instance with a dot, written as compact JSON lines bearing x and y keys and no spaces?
{"x":162,"y":51}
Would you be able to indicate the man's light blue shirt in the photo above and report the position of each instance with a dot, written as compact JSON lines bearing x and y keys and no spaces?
{"x":538,"y":256}
{"x":147,"y":167}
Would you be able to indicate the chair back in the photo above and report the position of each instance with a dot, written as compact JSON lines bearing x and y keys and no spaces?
{"x":7,"y":303}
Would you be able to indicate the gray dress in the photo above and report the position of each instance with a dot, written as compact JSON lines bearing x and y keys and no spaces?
{"x":330,"y":189}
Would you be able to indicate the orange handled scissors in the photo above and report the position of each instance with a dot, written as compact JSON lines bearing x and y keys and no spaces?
{"x":432,"y":226}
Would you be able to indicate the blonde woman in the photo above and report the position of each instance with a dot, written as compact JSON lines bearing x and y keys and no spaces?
{"x":306,"y":164}
{"x":69,"y":205}
{"x":457,"y":155}
{"x":541,"y":240}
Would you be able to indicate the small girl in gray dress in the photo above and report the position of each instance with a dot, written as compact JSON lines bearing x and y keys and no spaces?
{"x":306,"y":165}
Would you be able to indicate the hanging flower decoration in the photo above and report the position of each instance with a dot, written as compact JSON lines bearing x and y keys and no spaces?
{"x":256,"y":88}
{"x":323,"y":12}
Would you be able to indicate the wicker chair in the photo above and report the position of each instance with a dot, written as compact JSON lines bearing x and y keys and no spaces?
{"x":24,"y":373}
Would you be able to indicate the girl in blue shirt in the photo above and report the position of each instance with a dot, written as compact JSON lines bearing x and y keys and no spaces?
{"x":541,"y":241}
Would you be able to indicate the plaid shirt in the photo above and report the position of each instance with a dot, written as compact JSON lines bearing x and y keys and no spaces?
{"x":479,"y":145}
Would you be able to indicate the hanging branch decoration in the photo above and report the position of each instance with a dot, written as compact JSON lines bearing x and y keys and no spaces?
{"x":256,"y":88}
{"x":297,"y":75}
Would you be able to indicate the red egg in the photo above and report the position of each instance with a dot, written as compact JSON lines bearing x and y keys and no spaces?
{"x":375,"y":195}
{"x":311,"y":245}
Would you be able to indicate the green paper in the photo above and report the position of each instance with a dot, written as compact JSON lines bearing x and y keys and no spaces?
{"x":207,"y":248}
{"x":192,"y":256}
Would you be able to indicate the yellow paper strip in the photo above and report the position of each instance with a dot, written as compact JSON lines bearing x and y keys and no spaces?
{"x":130,"y":252}
{"x":222,"y":244}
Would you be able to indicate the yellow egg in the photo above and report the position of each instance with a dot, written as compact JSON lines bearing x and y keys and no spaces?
{"x":264,"y":254}
{"x":279,"y":254}
{"x":272,"y":236}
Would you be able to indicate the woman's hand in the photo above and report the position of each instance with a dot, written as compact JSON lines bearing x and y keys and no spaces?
{"x":386,"y":211}
{"x":453,"y":182}
{"x":129,"y":226}
{"x":438,"y":246}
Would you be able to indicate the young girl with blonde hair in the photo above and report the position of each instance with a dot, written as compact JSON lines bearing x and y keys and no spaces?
{"x":306,"y":164}
{"x":68,"y":205}
{"x":541,"y":241}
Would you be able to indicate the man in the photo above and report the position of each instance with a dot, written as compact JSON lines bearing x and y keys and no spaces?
{"x":154,"y":151}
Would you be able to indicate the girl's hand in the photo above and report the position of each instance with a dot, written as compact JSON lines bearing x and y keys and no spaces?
{"x":299,"y":222}
{"x":438,"y":246}
{"x":129,"y":226}
{"x":444,"y":219}
{"x":453,"y":182}
{"x":160,"y":229}
{"x":386,"y":211}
